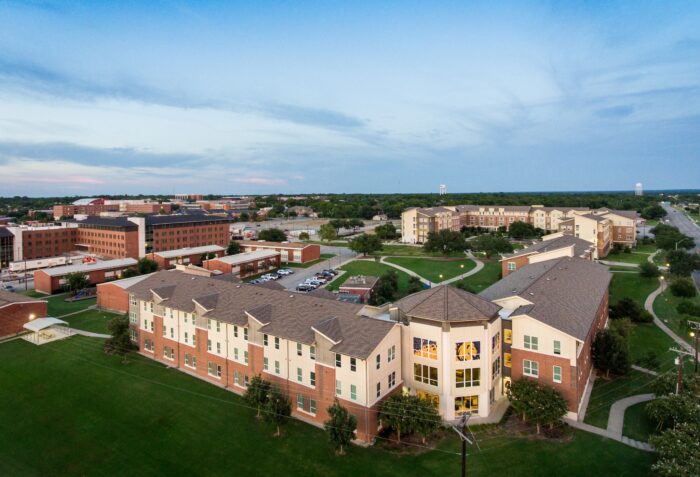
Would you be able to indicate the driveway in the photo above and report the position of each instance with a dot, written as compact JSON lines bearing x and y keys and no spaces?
{"x":342,"y":254}
{"x":684,"y":224}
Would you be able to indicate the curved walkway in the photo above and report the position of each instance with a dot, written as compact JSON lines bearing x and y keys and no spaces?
{"x":616,"y":419}
{"x":477,"y":269}
{"x":649,"y":306}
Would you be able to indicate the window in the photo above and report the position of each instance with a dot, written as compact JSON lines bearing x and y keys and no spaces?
{"x":265,"y":363}
{"x":300,"y":375}
{"x":425,"y":374}
{"x":379,"y":361}
{"x":245,"y":381}
{"x":531,"y":368}
{"x":194,"y":361}
{"x":511,"y":266}
{"x":379,"y":389}
{"x":218,"y":325}
{"x":235,"y":331}
{"x":214,"y":369}
{"x":152,"y":325}
{"x":132,"y":317}
{"x":338,"y":360}
{"x":557,"y":347}
{"x":391,"y":380}
{"x":151,"y":306}
{"x":185,"y":318}
{"x":148,"y":345}
{"x":495,"y":341}
{"x":208,"y":345}
{"x":468,"y":350}
{"x":466,"y":378}
{"x":245,"y":334}
{"x":391,"y":354}
{"x":531,"y":342}
{"x":496,"y":368}
{"x":165,"y":330}
{"x":133,"y":335}
{"x":208,"y":324}
{"x":218,"y":347}
{"x":464,"y":404}
{"x":245,"y":357}
{"x":556,"y":374}
{"x":353,"y":392}
{"x":300,"y":401}
{"x":277,"y":343}
{"x":312,"y":352}
{"x":338,"y":388}
{"x":298,"y":349}
{"x":312,"y":378}
{"x":312,"y":406}
{"x":425,"y":348}
{"x":277,"y":367}
{"x":353,"y":364}
{"x":236,"y":378}
{"x":235,"y":353}
{"x":172,"y":332}
{"x":508,"y":336}
{"x":265,"y":340}
{"x":194,"y":340}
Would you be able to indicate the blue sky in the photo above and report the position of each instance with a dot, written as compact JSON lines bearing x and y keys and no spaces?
{"x":261,"y":97}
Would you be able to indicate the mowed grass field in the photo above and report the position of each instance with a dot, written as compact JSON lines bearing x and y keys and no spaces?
{"x":488,"y":275}
{"x":369,"y":268}
{"x":57,"y":304}
{"x":432,"y":268}
{"x":69,"y":409}
{"x":665,"y":308}
{"x":90,"y":320}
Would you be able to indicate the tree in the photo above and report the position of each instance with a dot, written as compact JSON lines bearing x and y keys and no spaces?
{"x":328,"y":232}
{"x":679,"y":451}
{"x":445,"y":242}
{"x":365,"y":244}
{"x":76,"y":281}
{"x":649,"y":270}
{"x":521,"y":394}
{"x":673,"y":409}
{"x":119,"y":342}
{"x":653,"y":212}
{"x":405,"y":414}
{"x":146,"y":265}
{"x":491,"y":244}
{"x":386,"y":288}
{"x":611,"y":353}
{"x":428,"y":419}
{"x":272,"y":235}
{"x":233,"y":248}
{"x":257,"y":393}
{"x":277,"y":409}
{"x":386,"y":231}
{"x":340,"y":427}
{"x":688,"y":308}
{"x":521,"y":230}
{"x":354,"y":224}
{"x":683,"y":287}
{"x":414,"y":284}
{"x":539,"y":403}
{"x":626,"y":308}
{"x":682,"y":263}
{"x":304,"y":236}
{"x":670,"y":238}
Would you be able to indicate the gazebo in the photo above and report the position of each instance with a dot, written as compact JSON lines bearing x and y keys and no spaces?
{"x":45,"y":330}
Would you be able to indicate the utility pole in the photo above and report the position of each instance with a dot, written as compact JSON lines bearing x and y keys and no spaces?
{"x":679,"y":361}
{"x":461,"y":430}
{"x":695,"y":326}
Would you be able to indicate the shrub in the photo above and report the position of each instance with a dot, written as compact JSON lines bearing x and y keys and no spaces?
{"x":649,"y":270}
{"x":626,"y":308}
{"x":683,"y":287}
{"x":688,"y":308}
{"x":644,"y":317}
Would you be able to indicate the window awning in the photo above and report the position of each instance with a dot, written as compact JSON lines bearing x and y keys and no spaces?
{"x":39,"y":324}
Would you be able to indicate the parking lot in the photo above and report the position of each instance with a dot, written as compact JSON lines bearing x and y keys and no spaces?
{"x":342,"y":254}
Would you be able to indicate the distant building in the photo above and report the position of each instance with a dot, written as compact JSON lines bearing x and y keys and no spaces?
{"x":245,"y":264}
{"x":52,"y":280}
{"x":443,"y":189}
{"x":638,"y":189}
{"x":359,"y":285}
{"x":294,"y":252}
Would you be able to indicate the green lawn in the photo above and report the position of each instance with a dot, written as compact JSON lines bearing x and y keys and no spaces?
{"x":91,"y":320}
{"x":665,"y":308}
{"x":646,"y":337}
{"x":410,"y":251}
{"x":607,"y":391}
{"x":431,"y":269}
{"x":645,"y":248}
{"x":69,"y":409}
{"x":489,"y":275}
{"x":631,"y":285}
{"x":370,"y":268}
{"x":637,"y":425}
{"x":58,"y":306}
{"x":634,"y":257}
{"x":324,"y":256}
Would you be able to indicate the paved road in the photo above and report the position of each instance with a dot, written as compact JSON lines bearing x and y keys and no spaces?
{"x":684,"y":224}
{"x":342,"y":255}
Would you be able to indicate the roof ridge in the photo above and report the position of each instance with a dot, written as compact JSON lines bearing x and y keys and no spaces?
{"x":536,"y":280}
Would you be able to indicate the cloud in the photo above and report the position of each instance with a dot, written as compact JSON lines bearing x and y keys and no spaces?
{"x":265,"y":181}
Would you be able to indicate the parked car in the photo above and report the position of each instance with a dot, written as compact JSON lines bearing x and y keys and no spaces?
{"x":305,"y":287}
{"x":8,"y":288}
{"x":331,"y":271}
{"x":285,"y":271}
{"x":315,"y":283}
{"x":255,"y":282}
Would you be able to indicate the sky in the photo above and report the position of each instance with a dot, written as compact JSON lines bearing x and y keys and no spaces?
{"x":267,"y":97}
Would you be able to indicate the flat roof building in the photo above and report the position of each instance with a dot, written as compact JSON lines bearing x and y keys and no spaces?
{"x":17,"y":310}
{"x":246,"y":263}
{"x":294,"y":252}
{"x":185,"y":256}
{"x":52,"y":280}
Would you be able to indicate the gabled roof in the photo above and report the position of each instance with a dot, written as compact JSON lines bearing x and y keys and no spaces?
{"x":208,"y":302}
{"x":288,"y":315}
{"x":446,"y":303}
{"x":581,"y":246}
{"x":330,"y":328}
{"x":565,"y":293}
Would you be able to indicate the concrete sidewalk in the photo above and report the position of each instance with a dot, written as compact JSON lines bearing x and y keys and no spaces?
{"x":616,"y":419}
{"x":649,"y":306}
{"x":477,"y":269}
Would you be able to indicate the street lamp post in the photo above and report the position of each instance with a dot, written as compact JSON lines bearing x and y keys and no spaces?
{"x":695,"y":327}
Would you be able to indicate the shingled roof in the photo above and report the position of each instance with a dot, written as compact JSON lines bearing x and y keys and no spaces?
{"x":287,"y":315}
{"x":7,"y":298}
{"x":446,"y":303}
{"x":564,"y":293}
{"x":581,"y":247}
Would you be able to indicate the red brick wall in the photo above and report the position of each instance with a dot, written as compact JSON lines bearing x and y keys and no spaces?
{"x":171,"y":238}
{"x":568,"y":386}
{"x":310,"y":253}
{"x":519,"y":263}
{"x":110,"y":243}
{"x":112,"y":297}
{"x":584,"y":361}
{"x":217,"y":265}
{"x":15,"y":315}
{"x":47,"y":243}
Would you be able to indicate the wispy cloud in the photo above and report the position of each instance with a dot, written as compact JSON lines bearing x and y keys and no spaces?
{"x":265,"y":181}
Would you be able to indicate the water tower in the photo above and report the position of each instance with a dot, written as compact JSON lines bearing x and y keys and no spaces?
{"x":638,"y":190}
{"x":443,"y":189}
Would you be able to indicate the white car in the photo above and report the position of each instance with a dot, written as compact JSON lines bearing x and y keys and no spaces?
{"x":313,"y":282}
{"x":285,"y":271}
{"x":307,"y":284}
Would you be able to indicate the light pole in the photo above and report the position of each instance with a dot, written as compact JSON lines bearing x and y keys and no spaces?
{"x":681,"y":241}
{"x":695,"y":326}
